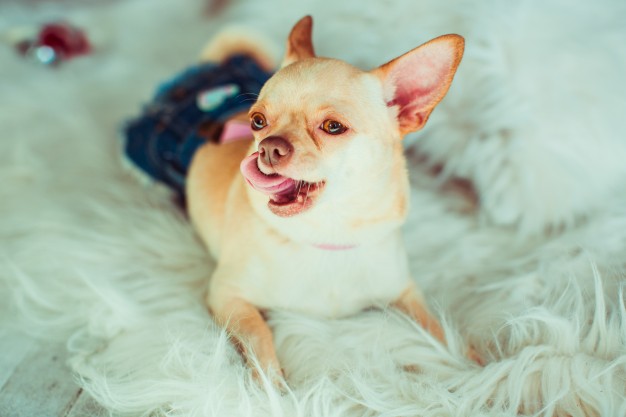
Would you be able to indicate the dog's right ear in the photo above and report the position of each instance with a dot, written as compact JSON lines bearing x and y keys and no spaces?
{"x":299,"y":43}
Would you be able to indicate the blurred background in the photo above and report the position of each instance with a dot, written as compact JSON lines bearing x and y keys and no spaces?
{"x":108,"y":274}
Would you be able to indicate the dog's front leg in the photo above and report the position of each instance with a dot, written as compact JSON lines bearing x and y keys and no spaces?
{"x":412,"y":303}
{"x":250,"y":332}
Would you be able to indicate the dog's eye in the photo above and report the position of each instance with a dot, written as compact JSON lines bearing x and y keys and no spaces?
{"x":333,"y":127}
{"x":257,"y":121}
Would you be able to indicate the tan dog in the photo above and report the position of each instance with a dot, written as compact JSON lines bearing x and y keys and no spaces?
{"x":313,"y":224}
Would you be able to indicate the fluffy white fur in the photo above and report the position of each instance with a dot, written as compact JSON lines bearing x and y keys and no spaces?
{"x":533,"y":120}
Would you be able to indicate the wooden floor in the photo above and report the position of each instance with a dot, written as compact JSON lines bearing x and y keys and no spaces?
{"x":36,"y":382}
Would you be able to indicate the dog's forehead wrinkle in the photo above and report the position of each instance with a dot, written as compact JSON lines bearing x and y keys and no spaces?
{"x":322,"y":66}
{"x":315,"y":75}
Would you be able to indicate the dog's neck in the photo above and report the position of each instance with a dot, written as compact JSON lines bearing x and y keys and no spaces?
{"x":328,"y":232}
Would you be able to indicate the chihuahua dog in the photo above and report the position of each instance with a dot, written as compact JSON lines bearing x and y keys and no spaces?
{"x":307,"y":215}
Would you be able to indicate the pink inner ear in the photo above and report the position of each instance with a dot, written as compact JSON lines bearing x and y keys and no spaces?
{"x":419,"y":79}
{"x":411,"y":103}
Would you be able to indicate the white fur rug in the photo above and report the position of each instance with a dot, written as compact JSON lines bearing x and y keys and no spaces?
{"x":533,"y":276}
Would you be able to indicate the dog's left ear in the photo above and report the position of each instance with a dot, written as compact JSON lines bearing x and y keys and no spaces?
{"x":299,"y":43}
{"x":417,"y":81}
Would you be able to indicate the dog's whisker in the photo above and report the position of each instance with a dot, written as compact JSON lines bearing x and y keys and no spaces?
{"x":243,"y":97}
{"x":247,"y":94}
{"x":307,"y":194}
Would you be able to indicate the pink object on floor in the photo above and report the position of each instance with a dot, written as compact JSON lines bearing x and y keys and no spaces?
{"x":66,"y":40}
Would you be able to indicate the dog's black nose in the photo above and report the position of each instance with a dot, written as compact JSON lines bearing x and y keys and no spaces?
{"x":275,"y":151}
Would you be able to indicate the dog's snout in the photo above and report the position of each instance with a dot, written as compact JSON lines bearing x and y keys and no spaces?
{"x":275,"y":151}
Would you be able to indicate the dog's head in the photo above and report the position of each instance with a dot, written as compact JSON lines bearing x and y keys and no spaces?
{"x":329,"y":134}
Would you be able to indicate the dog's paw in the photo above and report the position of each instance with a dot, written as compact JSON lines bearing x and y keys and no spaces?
{"x":270,"y":377}
{"x":474,"y":356}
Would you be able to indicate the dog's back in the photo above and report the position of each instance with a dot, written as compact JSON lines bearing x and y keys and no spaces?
{"x":212,"y":173}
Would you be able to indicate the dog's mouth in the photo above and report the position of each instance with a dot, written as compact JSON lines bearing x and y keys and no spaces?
{"x":287,"y":196}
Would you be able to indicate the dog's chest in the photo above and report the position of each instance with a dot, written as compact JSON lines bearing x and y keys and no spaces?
{"x":328,"y":283}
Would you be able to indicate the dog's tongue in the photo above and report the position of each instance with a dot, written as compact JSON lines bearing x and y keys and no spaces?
{"x":267,"y":184}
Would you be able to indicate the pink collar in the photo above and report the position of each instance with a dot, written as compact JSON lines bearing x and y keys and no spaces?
{"x":329,"y":246}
